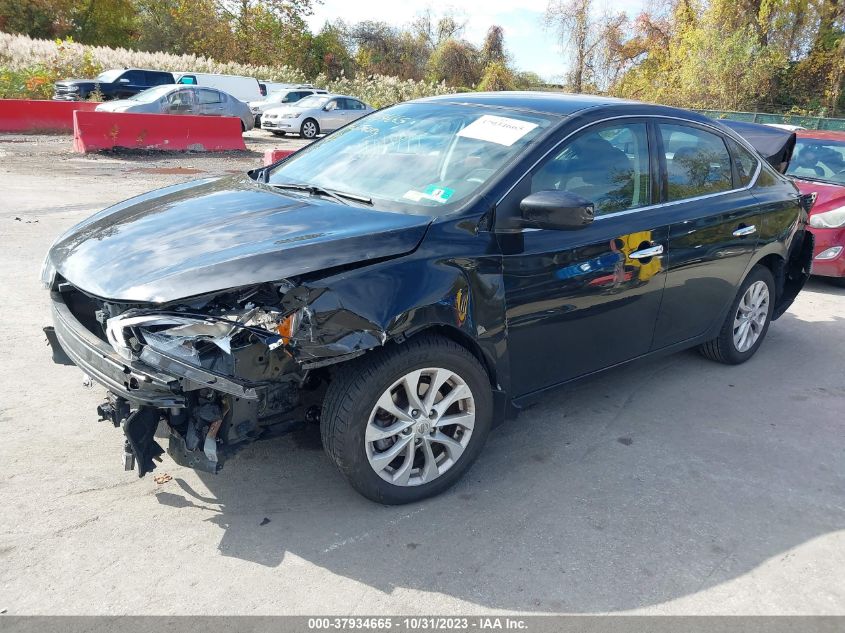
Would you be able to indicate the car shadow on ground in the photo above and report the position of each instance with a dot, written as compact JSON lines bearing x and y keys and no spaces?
{"x":638,"y":486}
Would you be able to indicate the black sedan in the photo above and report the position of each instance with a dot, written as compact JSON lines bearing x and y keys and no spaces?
{"x":417,"y":277}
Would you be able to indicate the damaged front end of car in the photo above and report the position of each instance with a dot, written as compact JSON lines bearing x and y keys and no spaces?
{"x":221,"y":370}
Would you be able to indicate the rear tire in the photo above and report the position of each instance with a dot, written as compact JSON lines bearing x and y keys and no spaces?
{"x":747,"y":321}
{"x":404,"y":453}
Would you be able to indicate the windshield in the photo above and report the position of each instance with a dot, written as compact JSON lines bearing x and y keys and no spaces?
{"x":152,"y":94}
{"x":108,"y":76}
{"x":818,"y":159}
{"x":418,"y":157}
{"x":311,"y":102}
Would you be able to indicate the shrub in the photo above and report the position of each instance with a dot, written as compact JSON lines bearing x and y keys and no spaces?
{"x":28,"y":68}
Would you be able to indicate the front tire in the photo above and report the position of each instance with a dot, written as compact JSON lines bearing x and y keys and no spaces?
{"x":404,"y":423}
{"x":747,"y":321}
{"x":310,"y":129}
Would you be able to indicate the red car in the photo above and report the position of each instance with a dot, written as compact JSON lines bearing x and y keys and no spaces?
{"x":818,"y":166}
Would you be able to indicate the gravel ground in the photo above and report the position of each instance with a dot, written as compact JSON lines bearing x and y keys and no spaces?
{"x":670,"y":486}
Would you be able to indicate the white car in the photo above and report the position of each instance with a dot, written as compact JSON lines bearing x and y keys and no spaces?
{"x":281,"y":97}
{"x":317,"y":114}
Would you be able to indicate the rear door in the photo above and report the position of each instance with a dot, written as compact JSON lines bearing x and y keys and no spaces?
{"x":582,"y":300}
{"x":715,"y":228}
{"x":210,"y":102}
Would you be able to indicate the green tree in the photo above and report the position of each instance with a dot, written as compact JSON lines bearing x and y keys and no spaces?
{"x":497,"y":76}
{"x":457,"y":63}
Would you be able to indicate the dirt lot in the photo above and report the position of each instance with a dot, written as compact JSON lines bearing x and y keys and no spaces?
{"x":672,"y":486}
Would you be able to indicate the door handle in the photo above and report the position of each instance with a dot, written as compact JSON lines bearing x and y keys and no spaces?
{"x":745,"y":230}
{"x":645,"y":253}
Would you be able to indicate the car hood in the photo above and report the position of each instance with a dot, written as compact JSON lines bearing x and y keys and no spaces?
{"x":828,"y":197}
{"x":75,"y":82}
{"x":218,"y":233}
{"x":283,"y":110}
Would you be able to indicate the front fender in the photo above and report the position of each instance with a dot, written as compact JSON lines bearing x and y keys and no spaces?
{"x":453,"y":280}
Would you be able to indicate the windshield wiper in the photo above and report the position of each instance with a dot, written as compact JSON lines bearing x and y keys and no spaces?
{"x":315,"y":190}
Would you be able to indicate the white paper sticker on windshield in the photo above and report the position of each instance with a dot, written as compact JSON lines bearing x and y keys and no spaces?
{"x":497,"y":129}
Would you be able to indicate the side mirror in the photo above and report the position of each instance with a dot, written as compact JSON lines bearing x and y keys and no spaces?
{"x":556,"y":210}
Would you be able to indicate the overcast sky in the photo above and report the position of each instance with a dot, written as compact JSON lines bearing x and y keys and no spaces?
{"x":530,"y":45}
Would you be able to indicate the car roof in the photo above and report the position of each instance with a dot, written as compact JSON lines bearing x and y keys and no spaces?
{"x":564,"y":104}
{"x":822,"y":135}
{"x":546,"y":102}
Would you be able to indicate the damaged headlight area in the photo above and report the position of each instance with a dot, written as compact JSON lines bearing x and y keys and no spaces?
{"x":198,"y":338}
{"x":231,"y":354}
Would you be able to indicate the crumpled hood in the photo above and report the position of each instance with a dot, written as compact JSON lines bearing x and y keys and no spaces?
{"x":219,"y":233}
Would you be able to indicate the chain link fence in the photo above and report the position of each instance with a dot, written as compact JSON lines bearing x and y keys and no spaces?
{"x":809,"y":122}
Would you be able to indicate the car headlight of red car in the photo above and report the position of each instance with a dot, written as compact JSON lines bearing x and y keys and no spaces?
{"x":829,"y":219}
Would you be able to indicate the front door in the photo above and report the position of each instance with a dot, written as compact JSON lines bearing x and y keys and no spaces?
{"x":715,"y":229}
{"x":333,"y":116}
{"x":582,"y":300}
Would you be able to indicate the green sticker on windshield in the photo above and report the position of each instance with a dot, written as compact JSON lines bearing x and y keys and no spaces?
{"x":441,"y":194}
{"x":432,"y":192}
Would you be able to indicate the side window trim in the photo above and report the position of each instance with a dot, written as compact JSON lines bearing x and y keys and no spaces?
{"x":654,"y":119}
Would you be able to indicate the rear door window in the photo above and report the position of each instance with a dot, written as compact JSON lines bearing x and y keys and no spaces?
{"x":208,"y":96}
{"x":697,"y":162}
{"x":745,"y":162}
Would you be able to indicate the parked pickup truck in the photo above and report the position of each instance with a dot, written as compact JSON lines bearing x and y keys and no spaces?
{"x":118,"y":83}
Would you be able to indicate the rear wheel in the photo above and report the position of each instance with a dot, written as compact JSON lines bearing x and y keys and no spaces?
{"x":747,"y":322}
{"x":405,"y":423}
{"x":309,"y":129}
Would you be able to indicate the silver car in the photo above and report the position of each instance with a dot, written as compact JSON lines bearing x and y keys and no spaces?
{"x":317,"y":114}
{"x":183,"y":99}
{"x":288,"y":96}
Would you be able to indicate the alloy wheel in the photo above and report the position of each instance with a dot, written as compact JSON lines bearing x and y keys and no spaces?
{"x":309,"y":129}
{"x":420,"y":426}
{"x":751,"y":316}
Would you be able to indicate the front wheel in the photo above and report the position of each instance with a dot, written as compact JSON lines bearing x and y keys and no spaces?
{"x":747,"y":322}
{"x":404,"y":423}
{"x":309,"y":129}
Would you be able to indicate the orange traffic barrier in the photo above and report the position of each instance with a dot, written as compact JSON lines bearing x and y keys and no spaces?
{"x":95,"y":131}
{"x":273,"y":155}
{"x":36,"y":115}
